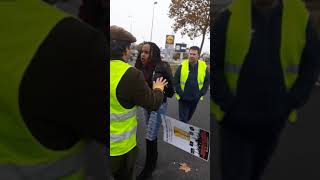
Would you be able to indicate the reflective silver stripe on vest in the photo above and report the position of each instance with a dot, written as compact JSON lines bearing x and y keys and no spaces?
{"x":121,"y":117}
{"x":123,"y":136}
{"x":234,"y":68}
{"x":51,"y":171}
{"x":182,"y":82}
{"x":292,"y":68}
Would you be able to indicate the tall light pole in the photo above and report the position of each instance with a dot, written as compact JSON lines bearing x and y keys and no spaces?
{"x":154,"y":3}
{"x":130,"y":23}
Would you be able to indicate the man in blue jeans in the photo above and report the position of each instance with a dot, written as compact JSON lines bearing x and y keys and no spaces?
{"x":191,"y":83}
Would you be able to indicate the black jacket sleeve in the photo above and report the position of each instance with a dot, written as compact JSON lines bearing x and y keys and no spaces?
{"x":177,"y":81}
{"x":308,"y":70}
{"x":220,"y":91}
{"x":164,"y":70}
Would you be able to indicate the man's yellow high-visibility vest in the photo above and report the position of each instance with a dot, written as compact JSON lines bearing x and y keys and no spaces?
{"x":123,"y":122}
{"x":293,"y":35}
{"x":202,"y":66}
{"x":24,"y":26}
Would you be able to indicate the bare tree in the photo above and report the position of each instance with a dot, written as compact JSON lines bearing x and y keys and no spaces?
{"x":192,"y":17}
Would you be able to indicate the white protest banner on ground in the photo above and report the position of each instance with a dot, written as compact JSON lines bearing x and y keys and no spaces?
{"x":187,"y":137}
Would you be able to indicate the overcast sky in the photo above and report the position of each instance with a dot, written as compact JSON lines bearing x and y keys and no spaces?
{"x":136,"y":16}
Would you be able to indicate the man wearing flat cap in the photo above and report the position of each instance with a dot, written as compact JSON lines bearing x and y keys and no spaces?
{"x":128,"y":89}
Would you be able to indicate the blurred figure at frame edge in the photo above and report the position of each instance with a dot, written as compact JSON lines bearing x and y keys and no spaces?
{"x":53,"y":91}
{"x":264,"y":68}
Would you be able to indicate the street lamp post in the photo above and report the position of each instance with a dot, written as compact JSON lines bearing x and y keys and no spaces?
{"x":154,"y":3}
{"x":130,"y":23}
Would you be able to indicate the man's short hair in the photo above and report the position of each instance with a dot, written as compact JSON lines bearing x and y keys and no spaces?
{"x":195,"y":48}
{"x":120,"y":40}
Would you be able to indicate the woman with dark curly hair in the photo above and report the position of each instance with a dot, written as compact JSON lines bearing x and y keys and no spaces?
{"x":150,"y":63}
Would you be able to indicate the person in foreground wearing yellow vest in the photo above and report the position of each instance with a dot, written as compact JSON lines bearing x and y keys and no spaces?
{"x":191,"y":83}
{"x":52,"y":94}
{"x":265,"y":63}
{"x":128,"y":89}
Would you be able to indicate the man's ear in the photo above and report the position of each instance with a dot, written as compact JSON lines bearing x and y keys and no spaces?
{"x":125,"y":54}
{"x":128,"y":51}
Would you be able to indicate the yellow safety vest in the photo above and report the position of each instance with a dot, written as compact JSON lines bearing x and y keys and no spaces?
{"x":294,"y":23}
{"x":123,"y":122}
{"x":202,"y":66}
{"x":24,"y":26}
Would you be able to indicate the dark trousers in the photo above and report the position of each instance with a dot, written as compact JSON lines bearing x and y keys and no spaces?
{"x":122,"y":166}
{"x":245,"y":156}
{"x":186,"y":110}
